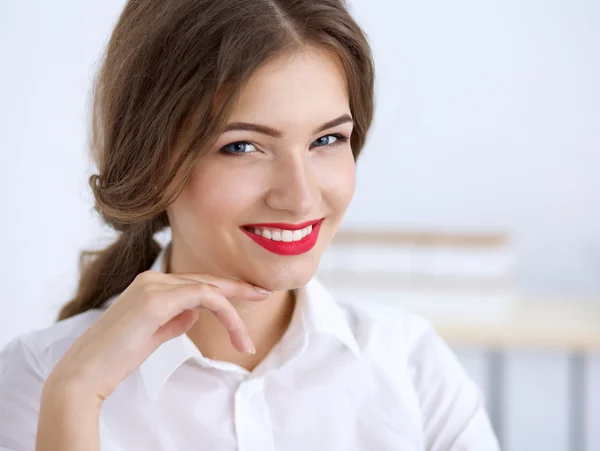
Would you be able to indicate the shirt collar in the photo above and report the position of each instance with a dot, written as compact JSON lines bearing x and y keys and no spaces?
{"x":316,"y":313}
{"x":322,"y":315}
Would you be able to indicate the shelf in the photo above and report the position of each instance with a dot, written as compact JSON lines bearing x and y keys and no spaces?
{"x":535,"y":324}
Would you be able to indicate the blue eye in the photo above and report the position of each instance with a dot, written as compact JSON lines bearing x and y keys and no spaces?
{"x":326,"y":141}
{"x":237,"y":148}
{"x":245,"y":147}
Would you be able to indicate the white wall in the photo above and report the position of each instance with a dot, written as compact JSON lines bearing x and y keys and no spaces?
{"x":487,"y":117}
{"x":47,"y":50}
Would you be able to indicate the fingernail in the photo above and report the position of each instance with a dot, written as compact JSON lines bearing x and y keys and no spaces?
{"x":262,"y":290}
{"x":249,"y":346}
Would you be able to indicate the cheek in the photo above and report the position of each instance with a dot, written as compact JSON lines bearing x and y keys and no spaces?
{"x":339,"y":181}
{"x":219,"y":194}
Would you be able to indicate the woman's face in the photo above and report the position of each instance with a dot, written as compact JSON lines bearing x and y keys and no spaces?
{"x":265,"y":201}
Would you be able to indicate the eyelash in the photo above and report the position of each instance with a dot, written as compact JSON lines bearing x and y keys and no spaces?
{"x":340,"y":139}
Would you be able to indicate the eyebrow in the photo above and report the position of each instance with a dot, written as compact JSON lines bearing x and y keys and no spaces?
{"x":245,"y":126}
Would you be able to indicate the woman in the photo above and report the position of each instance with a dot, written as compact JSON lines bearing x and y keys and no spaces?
{"x":235,"y":123}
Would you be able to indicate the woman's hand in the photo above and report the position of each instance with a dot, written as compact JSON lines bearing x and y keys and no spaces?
{"x":155,"y":308}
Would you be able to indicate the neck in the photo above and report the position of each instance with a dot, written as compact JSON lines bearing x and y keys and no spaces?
{"x":267,"y":321}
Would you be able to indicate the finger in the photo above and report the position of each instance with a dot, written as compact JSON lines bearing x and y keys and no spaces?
{"x":170,"y":303}
{"x":234,"y":290}
{"x":176,"y":326}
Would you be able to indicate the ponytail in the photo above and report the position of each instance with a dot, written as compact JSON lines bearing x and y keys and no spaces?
{"x":108,"y":272}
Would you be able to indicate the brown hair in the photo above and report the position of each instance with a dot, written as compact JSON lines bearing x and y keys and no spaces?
{"x":166,"y":64}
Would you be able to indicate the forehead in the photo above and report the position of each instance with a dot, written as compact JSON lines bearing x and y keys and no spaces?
{"x":305,"y":88}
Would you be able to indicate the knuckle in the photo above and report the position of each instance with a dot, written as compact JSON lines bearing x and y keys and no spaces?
{"x":212,"y":298}
{"x":144,"y":277}
{"x":206,"y":290}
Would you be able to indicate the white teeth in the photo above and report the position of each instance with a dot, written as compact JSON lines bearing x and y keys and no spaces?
{"x":282,"y":235}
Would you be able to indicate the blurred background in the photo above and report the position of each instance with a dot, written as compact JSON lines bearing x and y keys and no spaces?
{"x":477,"y":203}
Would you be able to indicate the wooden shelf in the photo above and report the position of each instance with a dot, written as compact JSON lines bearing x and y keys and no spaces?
{"x":522,"y":323}
{"x":424,"y":239}
{"x":531,"y":324}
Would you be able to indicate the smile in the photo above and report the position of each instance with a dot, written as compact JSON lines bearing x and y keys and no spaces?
{"x":285,"y":239}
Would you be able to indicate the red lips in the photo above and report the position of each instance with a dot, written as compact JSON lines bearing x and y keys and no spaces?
{"x":286,"y":248}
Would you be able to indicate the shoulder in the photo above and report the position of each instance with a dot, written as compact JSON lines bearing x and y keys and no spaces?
{"x":450,"y":403}
{"x":406,"y":340}
{"x":41,"y":349}
{"x":25,"y":363}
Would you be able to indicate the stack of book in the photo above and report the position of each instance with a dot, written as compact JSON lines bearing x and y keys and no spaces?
{"x":450,"y":275}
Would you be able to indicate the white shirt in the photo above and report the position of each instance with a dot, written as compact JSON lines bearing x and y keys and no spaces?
{"x":342,"y":378}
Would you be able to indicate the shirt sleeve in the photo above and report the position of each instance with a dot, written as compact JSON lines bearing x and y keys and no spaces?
{"x":21,"y":383}
{"x":452,"y":405}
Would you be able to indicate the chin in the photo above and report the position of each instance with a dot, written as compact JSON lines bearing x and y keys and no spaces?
{"x":288,"y":278}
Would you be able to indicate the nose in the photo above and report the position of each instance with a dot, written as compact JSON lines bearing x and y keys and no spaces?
{"x":294,"y":187}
